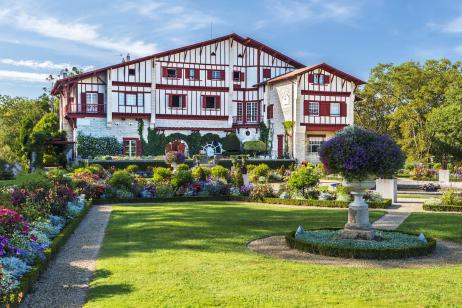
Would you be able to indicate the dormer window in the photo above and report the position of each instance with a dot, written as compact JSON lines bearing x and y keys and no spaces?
{"x":320,"y":79}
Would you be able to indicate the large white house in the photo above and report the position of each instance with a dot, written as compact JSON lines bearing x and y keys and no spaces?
{"x":227,"y":84}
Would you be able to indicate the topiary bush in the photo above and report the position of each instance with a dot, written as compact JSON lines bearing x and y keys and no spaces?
{"x":181,"y":178}
{"x":236,"y":178}
{"x":201,"y":173}
{"x":220,"y":172}
{"x":231,"y":144}
{"x":121,"y":179}
{"x":254,"y":147}
{"x":257,"y":172}
{"x":132,"y":169}
{"x":162,"y":175}
{"x":303,"y":179}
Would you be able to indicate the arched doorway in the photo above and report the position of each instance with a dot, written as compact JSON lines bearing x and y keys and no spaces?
{"x":178,"y":146}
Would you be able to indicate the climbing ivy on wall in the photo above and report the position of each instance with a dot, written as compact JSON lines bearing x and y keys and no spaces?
{"x":157,"y":141}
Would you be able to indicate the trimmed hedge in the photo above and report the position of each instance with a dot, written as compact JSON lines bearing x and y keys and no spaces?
{"x":324,"y":203}
{"x":442,"y":208}
{"x":361,"y":253}
{"x":319,"y":203}
{"x":272,"y":163}
{"x":33,"y":275}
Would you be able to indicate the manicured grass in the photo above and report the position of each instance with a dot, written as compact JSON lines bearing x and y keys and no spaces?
{"x":446,"y":226}
{"x":195,"y":255}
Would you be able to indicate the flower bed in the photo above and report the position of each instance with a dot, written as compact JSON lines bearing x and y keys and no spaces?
{"x":393,"y":245}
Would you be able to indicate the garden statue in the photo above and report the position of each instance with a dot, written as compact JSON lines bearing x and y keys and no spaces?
{"x":360,"y":156}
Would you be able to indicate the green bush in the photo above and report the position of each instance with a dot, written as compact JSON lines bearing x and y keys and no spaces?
{"x":236,"y":176}
{"x":231,"y":144}
{"x":254,"y":147}
{"x":34,"y":180}
{"x":361,"y":253}
{"x":89,"y":146}
{"x":164,"y":191}
{"x":132,"y":169}
{"x":181,"y":178}
{"x":201,"y":173}
{"x":451,"y":197}
{"x":182,"y":167}
{"x":162,"y":175}
{"x":442,"y":208}
{"x":303,"y":179}
{"x":261,"y":191}
{"x":59,"y":176}
{"x":220,"y":172}
{"x":437,"y":166}
{"x":121,"y":179}
{"x":5,"y":171}
{"x":255,"y":173}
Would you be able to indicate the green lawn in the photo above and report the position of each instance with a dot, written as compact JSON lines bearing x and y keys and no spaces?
{"x":195,"y":255}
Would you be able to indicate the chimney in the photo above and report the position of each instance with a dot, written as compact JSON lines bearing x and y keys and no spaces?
{"x":128,"y":57}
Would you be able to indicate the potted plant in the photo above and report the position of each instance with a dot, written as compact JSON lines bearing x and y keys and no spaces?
{"x":174,"y":158}
{"x":360,"y":156}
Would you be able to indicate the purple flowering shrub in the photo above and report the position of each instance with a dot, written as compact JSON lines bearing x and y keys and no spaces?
{"x":174,"y":157}
{"x":358,"y":154}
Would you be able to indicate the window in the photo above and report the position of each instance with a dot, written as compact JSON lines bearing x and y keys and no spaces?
{"x":92,"y":102}
{"x":335,"y":109}
{"x":266,"y":73}
{"x":130,"y":99}
{"x":269,"y":112}
{"x":320,"y":79}
{"x":131,"y":72}
{"x":216,"y":75}
{"x":314,"y":143}
{"x":172,"y":72}
{"x":210,"y":102}
{"x":177,"y":101}
{"x":313,"y":108}
{"x":131,"y":147}
{"x":251,"y":111}
{"x":192,"y":73}
{"x":236,"y":76}
{"x":140,"y":100}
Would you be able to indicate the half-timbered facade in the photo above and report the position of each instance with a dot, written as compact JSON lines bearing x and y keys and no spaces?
{"x":214,"y":86}
{"x":318,"y":100}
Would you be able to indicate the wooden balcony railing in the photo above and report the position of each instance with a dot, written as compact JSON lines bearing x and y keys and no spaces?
{"x":129,"y":109}
{"x":247,"y":119}
{"x":86,"y":108}
{"x":331,"y":120}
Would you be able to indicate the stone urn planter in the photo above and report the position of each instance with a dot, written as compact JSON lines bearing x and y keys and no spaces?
{"x":358,"y":225}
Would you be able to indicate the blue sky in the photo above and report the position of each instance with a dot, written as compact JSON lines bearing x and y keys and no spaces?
{"x":39,"y":37}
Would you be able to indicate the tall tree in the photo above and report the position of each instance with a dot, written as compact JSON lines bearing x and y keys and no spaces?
{"x":397,"y":100}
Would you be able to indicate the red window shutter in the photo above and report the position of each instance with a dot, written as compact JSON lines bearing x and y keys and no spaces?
{"x":183,"y":101}
{"x":306,"y":109}
{"x":209,"y":74}
{"x":139,"y":149}
{"x":266,"y":73}
{"x":83,"y":101}
{"x":217,"y":102}
{"x":311,"y":78}
{"x":100,"y":103}
{"x":324,"y":108}
{"x":204,"y":101}
{"x":197,"y":74}
{"x":164,"y":72}
{"x":326,"y":79}
{"x":222,"y":75}
{"x":181,"y":147}
{"x":343,"y":109}
{"x":242,"y":76}
{"x":179,"y":72}
{"x":269,"y":112}
{"x":186,"y":73}
{"x":169,"y":97}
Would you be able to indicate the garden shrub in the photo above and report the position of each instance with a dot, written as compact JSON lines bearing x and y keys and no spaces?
{"x":262,"y":170}
{"x":303,"y":179}
{"x":34,"y":180}
{"x":182,"y":167}
{"x":59,"y":176}
{"x":220,"y":172}
{"x":162,"y":175}
{"x":201,"y":173}
{"x":132,"y":169}
{"x":231,"y":144}
{"x":181,"y":178}
{"x":121,"y":179}
{"x":254,"y":147}
{"x":261,"y":191}
{"x":89,"y":146}
{"x":164,"y":191}
{"x":174,"y":157}
{"x":6,"y":172}
{"x":236,"y":177}
{"x":451,"y":197}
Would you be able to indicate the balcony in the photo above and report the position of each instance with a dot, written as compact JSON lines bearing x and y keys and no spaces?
{"x":87,"y":109}
{"x":247,"y":120}
{"x":130,"y":109}
{"x":328,"y":120}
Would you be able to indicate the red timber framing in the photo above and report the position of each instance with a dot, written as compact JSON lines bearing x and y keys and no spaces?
{"x":323,"y":127}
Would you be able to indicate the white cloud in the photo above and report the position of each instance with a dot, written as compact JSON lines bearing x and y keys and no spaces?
{"x":294,"y":11}
{"x":40,"y":65}
{"x":83,"y":33}
{"x":23,"y":76}
{"x":454,"y":26}
{"x":171,"y":17}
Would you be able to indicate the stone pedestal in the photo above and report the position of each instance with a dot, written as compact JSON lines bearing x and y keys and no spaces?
{"x":358,"y":226}
{"x":443,"y":177}
{"x":387,"y":188}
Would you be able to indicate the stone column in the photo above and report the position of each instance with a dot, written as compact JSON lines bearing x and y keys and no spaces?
{"x":109,"y":99}
{"x":443,"y":177}
{"x":388,"y":188}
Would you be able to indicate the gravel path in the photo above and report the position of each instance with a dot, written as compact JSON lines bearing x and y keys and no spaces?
{"x":445,"y":254}
{"x":398,"y":213}
{"x":65,"y":281}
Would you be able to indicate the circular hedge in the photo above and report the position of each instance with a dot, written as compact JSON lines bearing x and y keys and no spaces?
{"x":374,"y":250}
